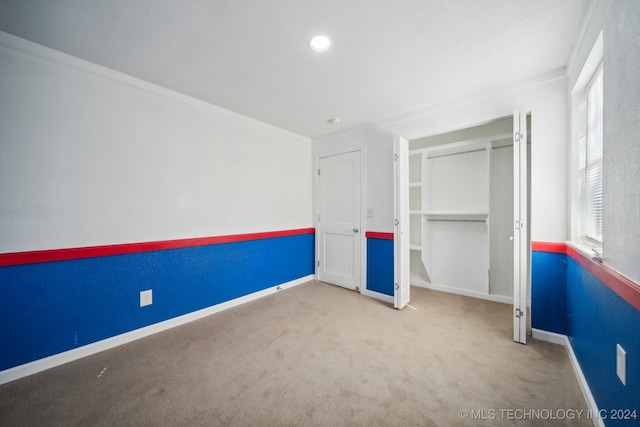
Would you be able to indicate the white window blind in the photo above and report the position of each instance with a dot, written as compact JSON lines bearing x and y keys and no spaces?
{"x":592,"y":218}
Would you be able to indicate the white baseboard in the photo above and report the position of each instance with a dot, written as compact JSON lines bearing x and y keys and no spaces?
{"x":463,"y":292}
{"x":563,"y":340}
{"x":40,"y":365}
{"x":551,"y":337}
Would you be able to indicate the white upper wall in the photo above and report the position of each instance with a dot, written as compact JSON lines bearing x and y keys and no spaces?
{"x":545,"y":97}
{"x":377,"y":145}
{"x":619,"y":22}
{"x":621,"y":159}
{"x":89,"y":156}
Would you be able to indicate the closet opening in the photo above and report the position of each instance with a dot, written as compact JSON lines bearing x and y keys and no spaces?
{"x":461,"y":206}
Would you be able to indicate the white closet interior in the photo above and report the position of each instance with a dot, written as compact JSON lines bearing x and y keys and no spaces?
{"x":461,"y":211}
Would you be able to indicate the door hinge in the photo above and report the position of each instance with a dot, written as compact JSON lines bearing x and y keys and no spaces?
{"x":397,"y":288}
{"x":395,"y":157}
{"x":318,"y":172}
{"x":318,"y":263}
{"x":396,"y":222}
{"x":518,"y":136}
{"x":519,"y":313}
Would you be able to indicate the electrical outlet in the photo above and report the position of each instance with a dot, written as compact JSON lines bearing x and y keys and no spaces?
{"x":621,"y":364}
{"x":146,"y":298}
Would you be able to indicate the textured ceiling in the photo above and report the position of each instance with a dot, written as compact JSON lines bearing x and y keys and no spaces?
{"x":251,"y":56}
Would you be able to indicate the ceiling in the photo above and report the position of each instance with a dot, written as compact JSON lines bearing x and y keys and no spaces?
{"x":389,"y":57}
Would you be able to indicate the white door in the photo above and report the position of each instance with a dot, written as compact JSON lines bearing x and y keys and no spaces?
{"x":339,"y":236}
{"x":401,"y":219}
{"x":520,"y":237}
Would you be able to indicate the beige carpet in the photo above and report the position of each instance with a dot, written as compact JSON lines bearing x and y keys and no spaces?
{"x":314,"y":355}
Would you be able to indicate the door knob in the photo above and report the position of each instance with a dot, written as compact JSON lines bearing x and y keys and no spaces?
{"x":355,"y":230}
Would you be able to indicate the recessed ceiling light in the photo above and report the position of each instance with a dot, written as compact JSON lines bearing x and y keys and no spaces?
{"x":334,"y":120}
{"x":320,"y":43}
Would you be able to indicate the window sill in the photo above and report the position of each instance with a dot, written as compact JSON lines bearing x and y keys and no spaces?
{"x":587,"y":250}
{"x":627,"y":289}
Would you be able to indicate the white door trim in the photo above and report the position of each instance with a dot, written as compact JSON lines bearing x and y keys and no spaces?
{"x":362,"y":149}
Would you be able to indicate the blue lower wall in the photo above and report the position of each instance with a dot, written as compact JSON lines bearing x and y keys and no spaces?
{"x":380,"y":265}
{"x":549,"y":292}
{"x":566,"y":298}
{"x":597,"y":320}
{"x":52,"y":307}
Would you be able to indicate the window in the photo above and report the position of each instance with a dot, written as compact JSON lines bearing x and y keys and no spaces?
{"x":591,"y":228}
{"x":587,"y":198}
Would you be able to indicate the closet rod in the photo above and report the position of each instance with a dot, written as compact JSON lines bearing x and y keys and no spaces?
{"x":456,"y":220}
{"x":437,"y":156}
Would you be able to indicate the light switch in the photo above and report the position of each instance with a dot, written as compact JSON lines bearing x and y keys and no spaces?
{"x":146,"y":298}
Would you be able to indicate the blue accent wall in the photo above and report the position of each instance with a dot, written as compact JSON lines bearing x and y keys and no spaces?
{"x":568,"y":299}
{"x":52,"y":307}
{"x":380,"y":265}
{"x":549,"y":292}
{"x":598,"y":319}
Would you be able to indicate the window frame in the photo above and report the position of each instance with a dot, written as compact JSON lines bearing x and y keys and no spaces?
{"x":582,"y":234}
{"x":591,"y":223}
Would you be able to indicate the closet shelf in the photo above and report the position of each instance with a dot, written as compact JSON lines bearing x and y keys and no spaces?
{"x":456,"y":213}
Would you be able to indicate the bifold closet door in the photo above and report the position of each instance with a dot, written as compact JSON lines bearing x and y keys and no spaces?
{"x":520,"y":235}
{"x":501,"y":222}
{"x":401,"y":229}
